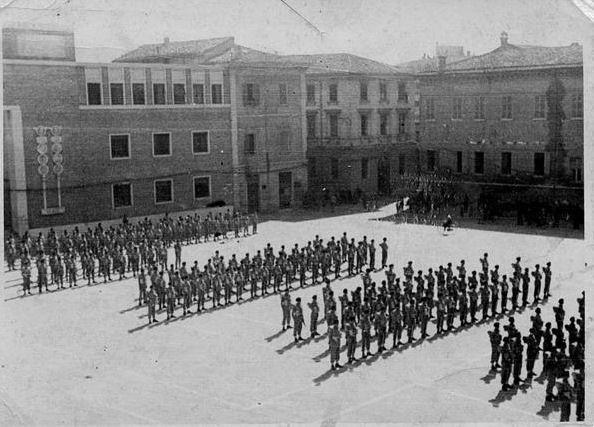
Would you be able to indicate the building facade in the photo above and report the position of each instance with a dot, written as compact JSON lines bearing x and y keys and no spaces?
{"x":513,"y":115}
{"x":91,"y":142}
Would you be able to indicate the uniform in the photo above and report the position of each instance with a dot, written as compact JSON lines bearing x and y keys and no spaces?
{"x":351,"y":337}
{"x":313,"y":319}
{"x":151,"y":299}
{"x":334,"y":337}
{"x":286,"y":308}
{"x":141,"y":288}
{"x":298,"y":320}
{"x":495,"y":340}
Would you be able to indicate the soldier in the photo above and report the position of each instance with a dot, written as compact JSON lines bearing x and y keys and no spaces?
{"x":537,"y":279}
{"x":380,"y":329}
{"x":334,"y":344}
{"x":200,"y":293}
{"x":424,"y":312}
{"x":525,"y":285}
{"x":170,"y":294}
{"x":365,"y":333}
{"x":286,"y":308}
{"x":495,"y":339}
{"x":485,"y":263}
{"x":142,"y":287}
{"x":298,"y":320}
{"x":351,"y":337}
{"x":517,"y":351}
{"x":410,"y":316}
{"x":313,"y":319}
{"x":494,"y":296}
{"x":565,"y":397}
{"x":547,"y":284}
{"x":26,"y":273}
{"x":41,"y":275}
{"x":473,"y":298}
{"x":531,"y":352}
{"x":441,"y":311}
{"x":559,"y":314}
{"x":504,"y":290}
{"x":151,"y":299}
{"x":187,"y":296}
{"x":506,"y":364}
{"x":371,"y":249}
{"x":344,"y":300}
{"x":485,"y":300}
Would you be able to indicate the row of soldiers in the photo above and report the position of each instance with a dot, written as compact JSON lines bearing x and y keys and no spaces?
{"x":398,"y":308}
{"x":116,"y":250}
{"x":266,"y":272}
{"x":562,"y":348}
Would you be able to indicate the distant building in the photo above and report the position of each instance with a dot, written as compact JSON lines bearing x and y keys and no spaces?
{"x":514,"y":114}
{"x":165,"y":128}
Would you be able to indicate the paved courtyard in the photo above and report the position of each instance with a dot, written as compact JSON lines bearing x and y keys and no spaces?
{"x":87,"y":355}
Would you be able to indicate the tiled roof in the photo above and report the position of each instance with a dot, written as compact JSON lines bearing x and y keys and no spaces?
{"x":340,"y":62}
{"x":170,"y":49}
{"x":510,"y":56}
{"x":237,"y":53}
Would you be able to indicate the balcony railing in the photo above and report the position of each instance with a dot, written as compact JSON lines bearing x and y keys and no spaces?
{"x":359,"y":141}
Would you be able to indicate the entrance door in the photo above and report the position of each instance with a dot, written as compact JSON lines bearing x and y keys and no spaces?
{"x":253,"y":193}
{"x":285,"y":189}
{"x":383,"y":175}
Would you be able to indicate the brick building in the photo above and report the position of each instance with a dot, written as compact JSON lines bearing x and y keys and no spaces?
{"x":360,"y":121}
{"x":166,"y":128}
{"x":512,"y":115}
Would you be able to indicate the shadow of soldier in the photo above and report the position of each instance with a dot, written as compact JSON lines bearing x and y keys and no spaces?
{"x":548,"y":408}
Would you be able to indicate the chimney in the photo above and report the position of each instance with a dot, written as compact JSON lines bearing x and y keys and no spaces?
{"x":166,"y":41}
{"x":441,"y":64}
{"x":503,"y":38}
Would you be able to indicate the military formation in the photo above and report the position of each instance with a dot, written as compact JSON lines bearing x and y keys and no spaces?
{"x":109,"y":253}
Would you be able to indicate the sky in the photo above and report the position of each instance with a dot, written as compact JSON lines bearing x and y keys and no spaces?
{"x":389,"y":31}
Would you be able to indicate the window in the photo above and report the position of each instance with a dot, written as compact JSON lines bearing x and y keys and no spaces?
{"x":506,"y":163}
{"x":201,"y":187}
{"x":163,"y":191}
{"x":334,"y":168}
{"x":198,"y":93}
{"x":364,"y":124}
{"x":250,"y":144}
{"x":311,"y":126}
{"x":333,"y":125}
{"x":159,"y":93}
{"x":138,"y":94}
{"x":577,"y":106}
{"x":383,"y":91}
{"x":216,"y":92}
{"x":402,"y":95}
{"x":479,"y":108}
{"x":401,"y":164}
{"x":161,"y":144}
{"x":179,"y":93}
{"x":540,"y":105}
{"x":458,"y":161}
{"x":363,"y":92}
{"x":364,"y":168}
{"x":284,"y":140}
{"x":479,"y":162}
{"x":200,"y":142}
{"x":121,"y":195}
{"x":116,"y":91}
{"x":457,"y":108}
{"x":576,"y":169}
{"x":282,"y":96}
{"x":401,"y":123}
{"x":430,"y":108}
{"x":119,"y":146}
{"x":251,"y":94}
{"x":94,"y":93}
{"x":506,"y":107}
{"x":384,"y":123}
{"x":431,"y":160}
{"x":539,"y":164}
{"x":333,"y":93}
{"x":311,"y":94}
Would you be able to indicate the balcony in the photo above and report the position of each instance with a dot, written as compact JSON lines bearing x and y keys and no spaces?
{"x":359,"y":141}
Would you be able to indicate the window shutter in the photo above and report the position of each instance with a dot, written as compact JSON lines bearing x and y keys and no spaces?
{"x":256,"y":94}
{"x":547,"y":163}
{"x":244,"y":92}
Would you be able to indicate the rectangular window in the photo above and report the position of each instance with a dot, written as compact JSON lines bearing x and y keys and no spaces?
{"x":577,"y":106}
{"x":333,"y":93}
{"x":94,"y":93}
{"x":431,"y":160}
{"x":164,"y":191}
{"x":364,"y":124}
{"x":506,"y":163}
{"x":430,"y":108}
{"x":383,"y":91}
{"x":402,"y":95}
{"x":506,"y":107}
{"x":479,"y":162}
{"x":121,"y":195}
{"x":200,"y":142}
{"x":401,"y":164}
{"x":540,"y":105}
{"x":138,"y":97}
{"x":179,"y":93}
{"x":161,"y":144}
{"x":311,"y":94}
{"x":576,"y":169}
{"x":282,"y":94}
{"x":250,"y":144}
{"x":119,"y":146}
{"x":116,"y":92}
{"x":311,"y":126}
{"x":458,"y":161}
{"x":334,"y":168}
{"x":284,"y":141}
{"x":201,"y":187}
{"x":401,"y":123}
{"x":539,"y":164}
{"x":198,"y":93}
{"x":479,"y":108}
{"x":251,"y":94}
{"x":216,"y":92}
{"x":384,"y":123}
{"x":363,"y":92}
{"x":364,"y":168}
{"x":457,"y":108}
{"x":159,"y":93}
{"x":333,"y":118}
